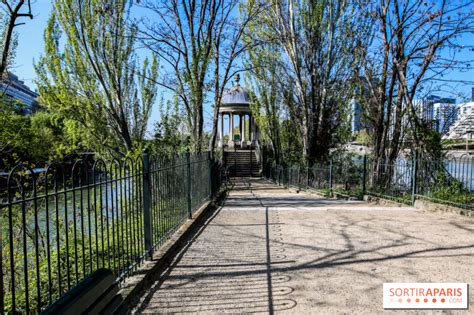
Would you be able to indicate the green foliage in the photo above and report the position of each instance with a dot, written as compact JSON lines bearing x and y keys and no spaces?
{"x":15,"y":133}
{"x":91,"y":251}
{"x":13,"y":43}
{"x":36,"y":138}
{"x":170,"y":137}
{"x":302,"y":68}
{"x":430,"y":144}
{"x":448,"y":189}
{"x":265,"y":94}
{"x":291,"y":144}
{"x":95,"y":79}
{"x":52,"y":139}
{"x":362,"y":137}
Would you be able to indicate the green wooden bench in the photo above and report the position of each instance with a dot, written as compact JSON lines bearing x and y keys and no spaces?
{"x":96,"y":294}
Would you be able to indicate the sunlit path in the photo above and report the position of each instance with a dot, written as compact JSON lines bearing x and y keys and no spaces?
{"x":269,"y":250}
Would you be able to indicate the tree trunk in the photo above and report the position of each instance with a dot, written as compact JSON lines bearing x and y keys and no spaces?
{"x":215,"y":121}
{"x":8,"y":38}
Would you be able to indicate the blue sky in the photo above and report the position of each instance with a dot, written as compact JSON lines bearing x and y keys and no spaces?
{"x":30,"y":47}
{"x":30,"y":42}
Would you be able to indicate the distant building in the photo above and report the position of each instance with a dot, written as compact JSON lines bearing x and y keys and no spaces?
{"x":15,"y":90}
{"x":463,"y":127}
{"x":445,"y":114}
{"x":425,"y":107}
{"x":437,"y":112}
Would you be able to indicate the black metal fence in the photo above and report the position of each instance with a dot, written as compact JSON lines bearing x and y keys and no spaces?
{"x":449,"y":181}
{"x":61,"y":223}
{"x":343,"y":176}
{"x":317,"y":177}
{"x":390,"y":180}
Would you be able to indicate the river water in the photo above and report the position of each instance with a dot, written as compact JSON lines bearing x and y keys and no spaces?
{"x":463,"y":170}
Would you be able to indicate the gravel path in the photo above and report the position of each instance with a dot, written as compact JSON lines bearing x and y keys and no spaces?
{"x":267,"y":250}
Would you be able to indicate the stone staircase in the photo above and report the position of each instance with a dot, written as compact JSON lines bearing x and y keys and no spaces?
{"x":242,"y":163}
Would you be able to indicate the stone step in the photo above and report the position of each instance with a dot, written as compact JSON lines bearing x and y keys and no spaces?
{"x":242,"y":164}
{"x":243,"y":161}
{"x":246,"y":160}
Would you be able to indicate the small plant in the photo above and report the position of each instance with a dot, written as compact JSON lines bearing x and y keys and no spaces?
{"x":447,"y":188}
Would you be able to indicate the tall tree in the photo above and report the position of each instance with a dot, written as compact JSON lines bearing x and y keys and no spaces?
{"x":11,"y":12}
{"x":94,"y":78}
{"x":182,"y":36}
{"x":199,"y":41}
{"x":266,"y":92}
{"x":318,"y":39}
{"x":414,"y":43}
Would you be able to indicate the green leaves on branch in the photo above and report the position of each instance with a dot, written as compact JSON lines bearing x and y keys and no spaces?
{"x":309,"y":48}
{"x":90,"y":73}
{"x":36,"y":139}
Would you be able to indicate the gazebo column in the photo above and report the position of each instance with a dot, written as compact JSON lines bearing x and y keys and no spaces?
{"x":245,"y":127}
{"x":231,"y":129}
{"x":255,"y":131}
{"x":240,"y":126}
{"x":243,"y":143}
{"x":251,"y":127}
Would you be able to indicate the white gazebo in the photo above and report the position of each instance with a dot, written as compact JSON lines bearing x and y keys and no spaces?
{"x":235,"y":102}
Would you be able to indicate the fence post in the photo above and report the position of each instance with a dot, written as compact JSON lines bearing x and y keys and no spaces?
{"x":280,"y":176}
{"x":307,"y":177}
{"x":298,"y":178}
{"x":188,"y":163}
{"x":288,"y":180}
{"x":414,"y":182}
{"x":210,"y":174}
{"x":147,"y":220}
{"x":2,"y":303}
{"x":330,"y":174}
{"x":364,"y":176}
{"x":251,"y":160}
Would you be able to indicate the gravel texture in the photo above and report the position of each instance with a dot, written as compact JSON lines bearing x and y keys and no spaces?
{"x":268,"y":250}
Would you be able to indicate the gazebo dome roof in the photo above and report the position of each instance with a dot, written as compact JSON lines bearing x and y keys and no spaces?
{"x":236,"y":95}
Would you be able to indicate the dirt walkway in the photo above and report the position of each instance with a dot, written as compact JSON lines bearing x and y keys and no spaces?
{"x":267,"y":250}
